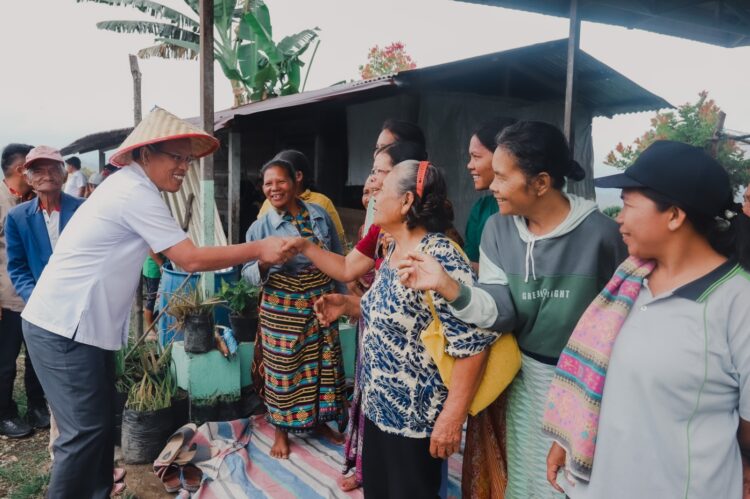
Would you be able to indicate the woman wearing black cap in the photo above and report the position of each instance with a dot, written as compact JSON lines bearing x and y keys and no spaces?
{"x":670,"y":334}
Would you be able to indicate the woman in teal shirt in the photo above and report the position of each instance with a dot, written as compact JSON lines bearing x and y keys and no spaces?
{"x":481,"y":147}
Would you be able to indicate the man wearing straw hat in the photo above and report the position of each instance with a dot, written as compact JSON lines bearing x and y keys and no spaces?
{"x":77,"y":315}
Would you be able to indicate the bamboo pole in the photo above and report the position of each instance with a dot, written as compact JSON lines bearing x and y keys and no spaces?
{"x":137,"y":116}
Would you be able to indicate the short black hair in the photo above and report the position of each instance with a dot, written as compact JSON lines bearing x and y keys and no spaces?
{"x":300,"y":163}
{"x":488,"y":131}
{"x":74,"y":162}
{"x":285,"y":165}
{"x":13,"y":152}
{"x":402,"y":150}
{"x":541,"y":148}
{"x":405,"y":131}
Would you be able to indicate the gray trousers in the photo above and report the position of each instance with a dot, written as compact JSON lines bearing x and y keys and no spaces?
{"x":79,"y":381}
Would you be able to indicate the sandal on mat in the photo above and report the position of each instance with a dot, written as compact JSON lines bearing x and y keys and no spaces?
{"x":170,"y":478}
{"x":174,"y":445}
{"x":191,"y":477}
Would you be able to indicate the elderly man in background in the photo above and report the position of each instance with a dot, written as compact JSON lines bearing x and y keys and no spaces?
{"x":13,"y":190}
{"x":32,"y":228}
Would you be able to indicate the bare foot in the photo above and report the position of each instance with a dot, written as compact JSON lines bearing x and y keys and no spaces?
{"x":326,"y":431}
{"x":349,"y":483}
{"x":280,"y":449}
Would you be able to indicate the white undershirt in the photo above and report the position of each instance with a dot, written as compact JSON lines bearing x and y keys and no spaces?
{"x":53,"y":226}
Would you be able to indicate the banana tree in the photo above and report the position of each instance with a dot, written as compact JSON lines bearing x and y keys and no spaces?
{"x":255,"y":66}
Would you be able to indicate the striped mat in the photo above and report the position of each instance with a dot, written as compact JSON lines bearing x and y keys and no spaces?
{"x":234,"y":456}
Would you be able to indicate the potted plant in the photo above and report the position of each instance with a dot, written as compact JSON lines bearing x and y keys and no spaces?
{"x":148,"y":418}
{"x":241,"y":298}
{"x":193,"y":314}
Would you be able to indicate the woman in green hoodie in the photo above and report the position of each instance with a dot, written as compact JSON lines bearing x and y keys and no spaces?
{"x":542,"y":260}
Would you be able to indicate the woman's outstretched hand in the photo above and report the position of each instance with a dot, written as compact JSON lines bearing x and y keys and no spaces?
{"x":421,"y":271}
{"x":329,"y":308}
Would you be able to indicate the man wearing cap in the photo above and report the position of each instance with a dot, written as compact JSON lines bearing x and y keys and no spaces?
{"x":77,"y":315}
{"x":93,"y":183}
{"x":13,"y":190}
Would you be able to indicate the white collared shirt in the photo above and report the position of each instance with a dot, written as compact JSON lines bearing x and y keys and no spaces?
{"x":76,"y":180}
{"x":52,"y":220}
{"x":87,"y":288}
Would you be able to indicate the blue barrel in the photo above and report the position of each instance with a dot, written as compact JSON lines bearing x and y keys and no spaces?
{"x":170,"y":281}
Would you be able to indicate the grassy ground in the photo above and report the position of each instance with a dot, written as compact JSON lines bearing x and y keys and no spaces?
{"x":24,"y":463}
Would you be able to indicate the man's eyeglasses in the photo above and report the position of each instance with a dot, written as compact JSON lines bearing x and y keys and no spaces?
{"x":178,"y":158}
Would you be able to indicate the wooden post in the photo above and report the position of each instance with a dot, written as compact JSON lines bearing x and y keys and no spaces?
{"x":233,"y":180}
{"x":717,"y":134}
{"x":207,"y":118}
{"x":137,"y":116}
{"x":584,"y":188}
{"x":136,"y":72}
{"x":574,"y":41}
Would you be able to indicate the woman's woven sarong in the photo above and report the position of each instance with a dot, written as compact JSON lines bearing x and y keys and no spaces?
{"x":301,"y":365}
{"x":527,"y":445}
{"x":485,"y":471}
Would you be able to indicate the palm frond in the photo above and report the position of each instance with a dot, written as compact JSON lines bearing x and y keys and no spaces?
{"x":162,"y":30}
{"x":153,"y":9}
{"x":166,"y":50}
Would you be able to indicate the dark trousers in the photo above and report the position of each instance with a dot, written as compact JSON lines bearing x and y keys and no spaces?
{"x":80,"y":384}
{"x":11,"y":338}
{"x":396,"y":467}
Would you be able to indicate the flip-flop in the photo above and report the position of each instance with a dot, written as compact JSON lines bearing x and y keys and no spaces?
{"x":117,"y":489}
{"x":186,"y":454}
{"x":174,"y":445}
{"x":118,"y":475}
{"x":191,"y":477}
{"x":170,"y":477}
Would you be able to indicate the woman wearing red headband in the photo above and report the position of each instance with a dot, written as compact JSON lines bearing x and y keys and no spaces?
{"x":413,"y":421}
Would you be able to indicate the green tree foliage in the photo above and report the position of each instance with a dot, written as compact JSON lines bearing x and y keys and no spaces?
{"x":612,"y":211}
{"x":255,"y":65}
{"x":693,"y":123}
{"x":385,"y":61}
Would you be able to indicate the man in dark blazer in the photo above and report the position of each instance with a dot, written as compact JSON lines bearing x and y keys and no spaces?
{"x":32,"y":228}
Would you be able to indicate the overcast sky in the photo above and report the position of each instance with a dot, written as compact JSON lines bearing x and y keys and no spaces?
{"x":62,"y":78}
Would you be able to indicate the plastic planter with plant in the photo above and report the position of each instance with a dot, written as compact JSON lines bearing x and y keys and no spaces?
{"x":241,"y":298}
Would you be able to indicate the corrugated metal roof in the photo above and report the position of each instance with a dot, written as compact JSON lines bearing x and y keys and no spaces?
{"x":538,"y":73}
{"x":719,"y":22}
{"x":534,"y":73}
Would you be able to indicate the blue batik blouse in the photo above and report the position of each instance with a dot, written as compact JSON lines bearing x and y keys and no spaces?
{"x":402,"y":392}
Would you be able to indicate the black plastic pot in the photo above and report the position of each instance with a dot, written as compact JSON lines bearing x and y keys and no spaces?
{"x":244,"y":328}
{"x":144,"y":434}
{"x":199,"y":333}
{"x":181,"y":408}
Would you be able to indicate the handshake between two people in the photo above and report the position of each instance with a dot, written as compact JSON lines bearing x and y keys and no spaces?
{"x":276,"y":250}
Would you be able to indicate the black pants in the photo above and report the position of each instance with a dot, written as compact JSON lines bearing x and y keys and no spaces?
{"x":11,"y":339}
{"x":80,"y":384}
{"x":396,"y":467}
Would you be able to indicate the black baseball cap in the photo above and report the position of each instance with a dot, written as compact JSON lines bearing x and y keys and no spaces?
{"x":686,"y":174}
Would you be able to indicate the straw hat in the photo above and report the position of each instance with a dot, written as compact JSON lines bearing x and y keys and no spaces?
{"x":159,"y":126}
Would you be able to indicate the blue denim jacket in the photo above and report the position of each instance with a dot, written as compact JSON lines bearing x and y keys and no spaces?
{"x":272,"y":223}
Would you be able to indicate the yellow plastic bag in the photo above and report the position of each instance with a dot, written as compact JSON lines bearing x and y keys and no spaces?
{"x":503,"y":363}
